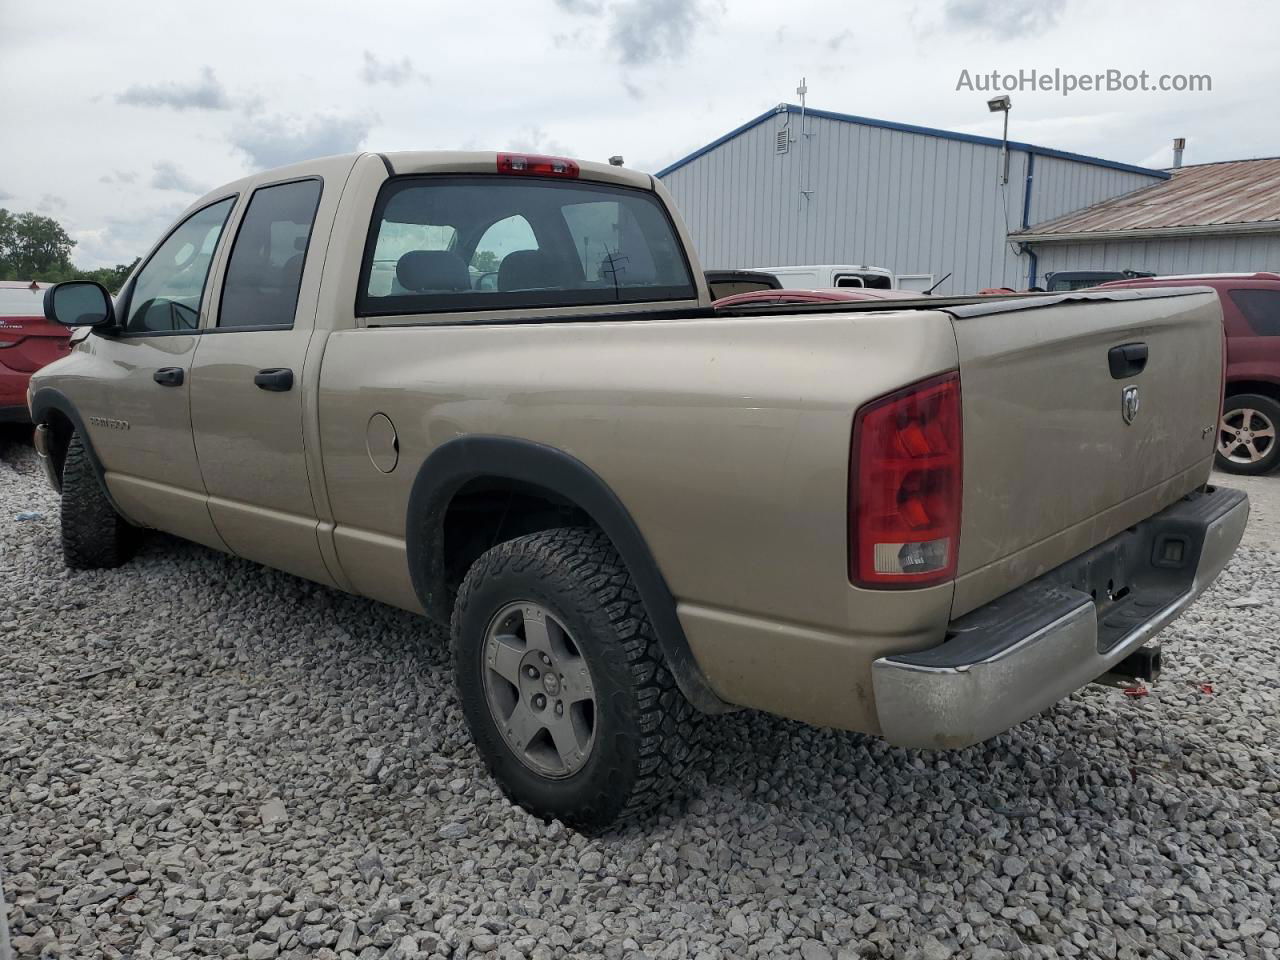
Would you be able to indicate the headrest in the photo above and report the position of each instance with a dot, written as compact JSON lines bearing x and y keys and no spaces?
{"x":526,"y":270}
{"x":422,"y":270}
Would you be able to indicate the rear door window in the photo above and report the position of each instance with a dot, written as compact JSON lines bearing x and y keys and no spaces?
{"x":443,"y":244}
{"x":1261,"y":308}
{"x":264,"y":274}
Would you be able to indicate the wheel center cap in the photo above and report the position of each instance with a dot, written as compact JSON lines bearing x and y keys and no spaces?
{"x":551,"y":683}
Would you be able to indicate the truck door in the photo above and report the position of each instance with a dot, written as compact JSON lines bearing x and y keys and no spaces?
{"x":247,"y":384}
{"x":135,"y":406}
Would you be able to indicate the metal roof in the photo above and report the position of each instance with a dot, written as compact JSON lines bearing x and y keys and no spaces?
{"x":1231,"y":197}
{"x":910,"y":128}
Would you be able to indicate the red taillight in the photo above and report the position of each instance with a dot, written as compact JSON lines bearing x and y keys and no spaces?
{"x":536,"y":166}
{"x":904,"y":486}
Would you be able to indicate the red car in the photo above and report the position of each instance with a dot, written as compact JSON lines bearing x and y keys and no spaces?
{"x":1251,"y":411}
{"x":27,"y":342}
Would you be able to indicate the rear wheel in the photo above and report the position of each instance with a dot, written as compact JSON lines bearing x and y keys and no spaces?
{"x":93,"y":535}
{"x":1247,"y":434}
{"x":563,"y":683}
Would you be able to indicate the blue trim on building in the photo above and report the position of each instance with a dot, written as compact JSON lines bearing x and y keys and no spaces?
{"x":1029,"y":148}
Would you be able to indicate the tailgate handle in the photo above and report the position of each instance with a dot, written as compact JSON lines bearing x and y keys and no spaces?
{"x":1127,"y":360}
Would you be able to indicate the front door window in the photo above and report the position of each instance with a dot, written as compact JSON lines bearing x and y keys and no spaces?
{"x":167,"y":293}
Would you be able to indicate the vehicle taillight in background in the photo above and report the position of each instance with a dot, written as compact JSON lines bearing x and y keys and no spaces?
{"x":536,"y":166}
{"x":905,"y":486}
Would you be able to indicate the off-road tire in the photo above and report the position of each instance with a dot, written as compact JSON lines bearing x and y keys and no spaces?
{"x":645,"y":736}
{"x":94,"y":536}
{"x":1269,"y":410}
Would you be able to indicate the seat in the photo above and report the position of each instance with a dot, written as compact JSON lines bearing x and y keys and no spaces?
{"x":422,"y":271}
{"x":529,"y":270}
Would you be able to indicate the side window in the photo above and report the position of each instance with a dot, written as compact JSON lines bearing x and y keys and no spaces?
{"x":507,"y":236}
{"x":166,"y":296}
{"x":264,"y":273}
{"x":1261,"y":308}
{"x":609,"y":243}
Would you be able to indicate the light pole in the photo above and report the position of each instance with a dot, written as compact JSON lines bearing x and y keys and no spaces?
{"x":1002,"y":104}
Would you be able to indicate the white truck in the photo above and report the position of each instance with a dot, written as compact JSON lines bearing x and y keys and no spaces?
{"x":820,"y":276}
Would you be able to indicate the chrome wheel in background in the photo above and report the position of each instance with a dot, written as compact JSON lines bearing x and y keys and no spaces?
{"x":1246,"y":436}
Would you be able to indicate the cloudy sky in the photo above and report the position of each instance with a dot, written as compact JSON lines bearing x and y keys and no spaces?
{"x":116,"y":116}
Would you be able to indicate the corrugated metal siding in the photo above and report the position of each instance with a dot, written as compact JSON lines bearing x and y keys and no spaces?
{"x":907,"y":201}
{"x":878,"y":196}
{"x":1183,"y":255}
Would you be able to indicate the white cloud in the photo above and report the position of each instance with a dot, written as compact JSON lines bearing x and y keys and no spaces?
{"x":276,"y":140}
{"x":536,"y":140}
{"x":1003,"y":19}
{"x":393,"y":73}
{"x":167,"y":176}
{"x":642,"y":32}
{"x":119,"y":176}
{"x":203,"y":94}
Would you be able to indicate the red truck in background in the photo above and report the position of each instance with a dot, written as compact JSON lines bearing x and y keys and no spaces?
{"x":1247,"y":432}
{"x":27,"y":342}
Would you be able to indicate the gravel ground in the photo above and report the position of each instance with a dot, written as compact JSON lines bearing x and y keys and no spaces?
{"x":201,"y":757}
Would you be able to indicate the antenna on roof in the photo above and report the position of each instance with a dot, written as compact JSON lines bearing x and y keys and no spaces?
{"x":806,"y":193}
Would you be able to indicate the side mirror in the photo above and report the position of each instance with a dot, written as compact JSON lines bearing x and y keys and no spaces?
{"x":79,"y":303}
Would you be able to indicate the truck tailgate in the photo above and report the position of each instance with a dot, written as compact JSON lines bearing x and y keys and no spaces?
{"x":1053,"y":464}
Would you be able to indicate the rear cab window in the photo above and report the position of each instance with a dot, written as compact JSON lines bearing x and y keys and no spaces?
{"x":480,"y":243}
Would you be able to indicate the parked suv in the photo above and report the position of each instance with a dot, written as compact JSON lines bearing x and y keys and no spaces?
{"x":27,"y":342}
{"x":1251,"y":411}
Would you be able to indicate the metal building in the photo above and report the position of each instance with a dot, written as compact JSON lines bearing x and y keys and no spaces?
{"x":810,"y":186}
{"x":1208,"y":218}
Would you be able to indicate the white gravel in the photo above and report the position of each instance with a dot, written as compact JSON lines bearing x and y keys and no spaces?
{"x":201,"y":757}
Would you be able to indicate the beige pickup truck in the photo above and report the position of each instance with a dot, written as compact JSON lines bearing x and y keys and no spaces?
{"x":491,"y":388}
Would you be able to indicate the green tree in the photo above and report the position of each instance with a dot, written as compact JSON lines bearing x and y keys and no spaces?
{"x":112,"y":278}
{"x":486,"y":261}
{"x":33,"y":247}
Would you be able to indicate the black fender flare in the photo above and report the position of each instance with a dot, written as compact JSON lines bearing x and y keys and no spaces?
{"x":48,"y":399}
{"x":463,"y":459}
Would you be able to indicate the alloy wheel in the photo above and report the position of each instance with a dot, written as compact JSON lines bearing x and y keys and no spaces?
{"x":539,"y":690}
{"x":1245,"y":435}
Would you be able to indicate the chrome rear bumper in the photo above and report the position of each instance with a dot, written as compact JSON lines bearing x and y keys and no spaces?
{"x":1027,"y":650}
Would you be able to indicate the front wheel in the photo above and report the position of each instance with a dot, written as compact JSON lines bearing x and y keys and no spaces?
{"x":563,"y":683}
{"x":1247,"y":435}
{"x":94,"y":536}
